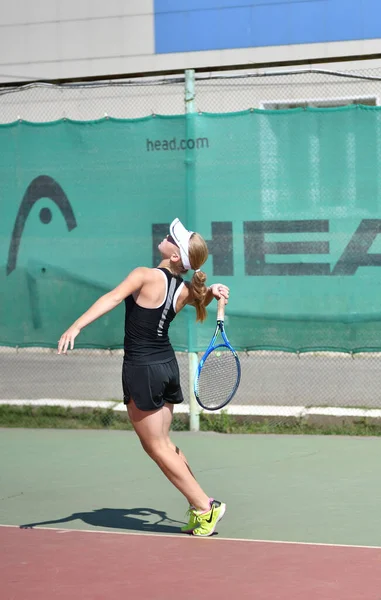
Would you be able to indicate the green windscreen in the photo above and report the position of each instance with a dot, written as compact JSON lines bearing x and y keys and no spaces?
{"x":289,"y":202}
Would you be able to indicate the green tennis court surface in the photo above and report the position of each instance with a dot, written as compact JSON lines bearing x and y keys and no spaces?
{"x":307,"y":490}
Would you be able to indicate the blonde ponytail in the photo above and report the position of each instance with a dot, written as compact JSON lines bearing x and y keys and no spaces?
{"x":199,"y":291}
{"x":198,"y":253}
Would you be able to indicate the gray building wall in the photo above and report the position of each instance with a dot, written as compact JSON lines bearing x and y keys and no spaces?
{"x":50,"y":39}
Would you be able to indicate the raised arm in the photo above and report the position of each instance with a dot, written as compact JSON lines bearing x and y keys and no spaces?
{"x":103,"y":305}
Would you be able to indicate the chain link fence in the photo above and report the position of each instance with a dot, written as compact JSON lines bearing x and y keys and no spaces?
{"x":231,"y":92}
{"x":278,"y":389}
{"x":91,"y":101}
{"x":288,"y":89}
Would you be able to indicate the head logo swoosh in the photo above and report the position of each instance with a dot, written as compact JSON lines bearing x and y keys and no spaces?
{"x":41,"y":187}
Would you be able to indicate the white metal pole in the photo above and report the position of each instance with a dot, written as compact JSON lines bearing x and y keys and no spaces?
{"x":189,"y":91}
{"x":194,"y":409}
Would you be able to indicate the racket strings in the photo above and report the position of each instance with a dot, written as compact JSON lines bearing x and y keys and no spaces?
{"x":218,"y":378}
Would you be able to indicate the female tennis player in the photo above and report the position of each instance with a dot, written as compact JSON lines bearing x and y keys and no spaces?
{"x":150,"y":375}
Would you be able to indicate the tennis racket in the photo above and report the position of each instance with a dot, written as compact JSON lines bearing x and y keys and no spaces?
{"x":219,"y":370}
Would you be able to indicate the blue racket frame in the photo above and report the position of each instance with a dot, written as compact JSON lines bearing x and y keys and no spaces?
{"x":211,"y":348}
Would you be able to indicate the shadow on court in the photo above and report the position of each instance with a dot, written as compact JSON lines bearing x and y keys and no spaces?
{"x":135,"y":519}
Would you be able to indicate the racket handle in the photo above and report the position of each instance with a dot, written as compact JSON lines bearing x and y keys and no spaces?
{"x":221,"y":309}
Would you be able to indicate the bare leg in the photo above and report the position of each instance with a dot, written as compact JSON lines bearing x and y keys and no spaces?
{"x":167,"y":421}
{"x":150,"y":427}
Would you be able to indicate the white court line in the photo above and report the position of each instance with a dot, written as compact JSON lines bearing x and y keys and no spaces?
{"x":183,"y":537}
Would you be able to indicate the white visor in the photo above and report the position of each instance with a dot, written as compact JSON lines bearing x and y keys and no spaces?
{"x":181,"y":236}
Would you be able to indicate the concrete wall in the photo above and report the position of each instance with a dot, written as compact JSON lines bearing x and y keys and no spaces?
{"x":73,"y":38}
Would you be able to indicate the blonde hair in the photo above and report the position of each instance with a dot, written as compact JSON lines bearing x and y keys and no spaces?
{"x":198,"y":253}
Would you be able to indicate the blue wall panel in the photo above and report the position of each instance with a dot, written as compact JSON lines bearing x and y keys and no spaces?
{"x":197,"y":25}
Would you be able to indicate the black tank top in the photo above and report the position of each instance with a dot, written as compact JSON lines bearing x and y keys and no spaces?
{"x":146,"y":329}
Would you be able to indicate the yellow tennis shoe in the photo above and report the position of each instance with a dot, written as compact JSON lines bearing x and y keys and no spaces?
{"x":207,"y":522}
{"x":192,"y":521}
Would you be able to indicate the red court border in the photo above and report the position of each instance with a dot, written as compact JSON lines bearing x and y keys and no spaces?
{"x":45,"y":563}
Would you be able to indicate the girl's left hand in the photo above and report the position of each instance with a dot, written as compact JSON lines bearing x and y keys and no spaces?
{"x":219,"y":290}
